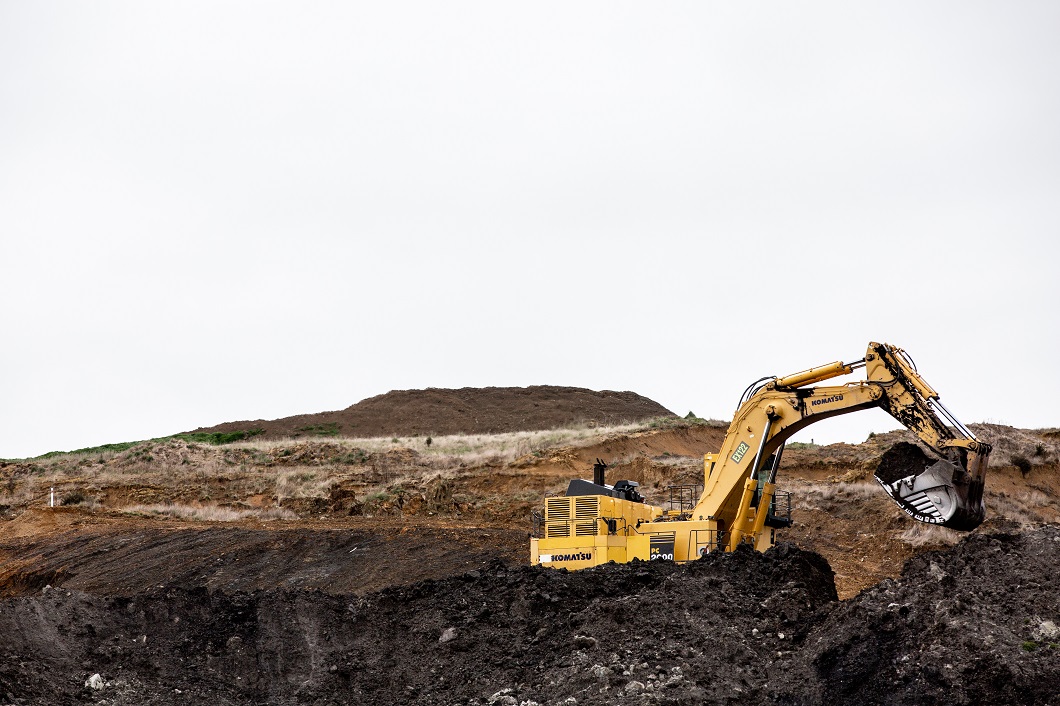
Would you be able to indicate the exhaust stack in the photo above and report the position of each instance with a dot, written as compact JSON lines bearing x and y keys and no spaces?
{"x":598,"y":472}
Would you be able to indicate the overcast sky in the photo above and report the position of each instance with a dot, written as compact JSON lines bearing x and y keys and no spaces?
{"x":217,"y":211}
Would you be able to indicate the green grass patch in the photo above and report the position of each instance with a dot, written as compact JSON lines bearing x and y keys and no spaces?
{"x":329,"y":429}
{"x":117,"y":448}
{"x":675,"y":422}
{"x":354,"y":457}
{"x":218,"y":438}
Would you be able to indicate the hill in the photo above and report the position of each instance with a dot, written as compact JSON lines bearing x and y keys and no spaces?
{"x":468,"y":410}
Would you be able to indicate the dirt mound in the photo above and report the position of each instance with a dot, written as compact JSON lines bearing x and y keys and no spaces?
{"x":974,"y":624}
{"x":468,"y":410}
{"x":500,"y":635}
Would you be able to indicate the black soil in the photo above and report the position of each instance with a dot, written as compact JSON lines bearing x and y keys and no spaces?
{"x":901,"y":461}
{"x":975,"y":624}
{"x":469,"y":410}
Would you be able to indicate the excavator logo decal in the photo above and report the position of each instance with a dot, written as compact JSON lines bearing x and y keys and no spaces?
{"x":737,"y":455}
{"x":826,"y":400}
{"x":577,"y":556}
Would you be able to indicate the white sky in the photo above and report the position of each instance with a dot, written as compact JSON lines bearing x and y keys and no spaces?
{"x":216,"y":211}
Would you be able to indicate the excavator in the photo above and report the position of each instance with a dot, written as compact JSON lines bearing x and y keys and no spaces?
{"x":595,"y":523}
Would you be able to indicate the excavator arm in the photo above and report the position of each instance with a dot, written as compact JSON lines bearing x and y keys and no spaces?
{"x":739,"y":480}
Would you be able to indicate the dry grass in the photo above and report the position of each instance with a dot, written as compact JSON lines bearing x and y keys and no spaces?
{"x":189,"y":473}
{"x":1023,"y":509}
{"x":829,"y":496}
{"x":300,"y":473}
{"x":177,"y":460}
{"x":209,"y":513}
{"x":23,"y":490}
{"x":302,"y":483}
{"x":1009,"y":441}
{"x":460,"y":449}
{"x":924,"y":535}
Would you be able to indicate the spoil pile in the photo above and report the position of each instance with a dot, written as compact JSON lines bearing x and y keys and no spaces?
{"x":974,"y":624}
{"x":501,"y":634}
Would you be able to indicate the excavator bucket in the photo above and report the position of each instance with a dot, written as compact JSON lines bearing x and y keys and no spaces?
{"x":938,"y":492}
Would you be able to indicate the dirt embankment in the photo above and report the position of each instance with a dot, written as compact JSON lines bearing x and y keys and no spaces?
{"x":973,"y":624}
{"x":468,"y":410}
{"x":124,"y":556}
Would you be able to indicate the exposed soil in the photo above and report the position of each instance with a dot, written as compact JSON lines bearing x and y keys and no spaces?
{"x":973,"y":624}
{"x":468,"y":410}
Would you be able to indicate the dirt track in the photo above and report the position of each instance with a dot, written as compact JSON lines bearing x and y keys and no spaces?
{"x":975,"y":624}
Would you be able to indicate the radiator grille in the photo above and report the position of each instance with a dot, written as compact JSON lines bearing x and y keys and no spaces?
{"x":557,"y":529}
{"x":557,"y":509}
{"x":586,"y":507}
{"x":581,"y":511}
{"x":586,"y":529}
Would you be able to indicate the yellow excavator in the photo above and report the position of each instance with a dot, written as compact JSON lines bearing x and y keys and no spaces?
{"x":595,"y":523}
